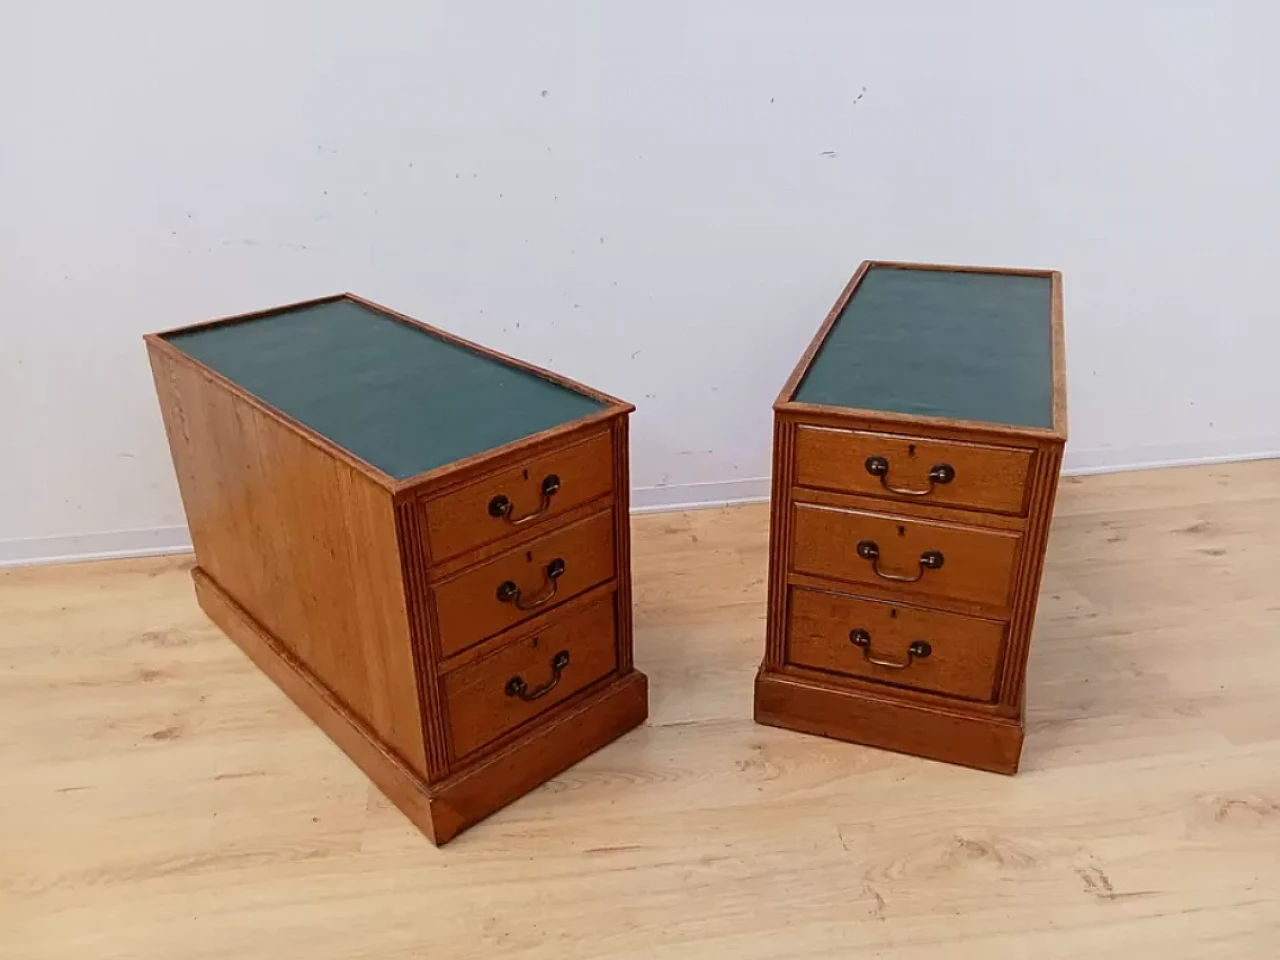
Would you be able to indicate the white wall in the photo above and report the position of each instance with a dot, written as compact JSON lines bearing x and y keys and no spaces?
{"x":635,"y":194}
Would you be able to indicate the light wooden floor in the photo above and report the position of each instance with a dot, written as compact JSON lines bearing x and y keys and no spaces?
{"x":160,"y":799}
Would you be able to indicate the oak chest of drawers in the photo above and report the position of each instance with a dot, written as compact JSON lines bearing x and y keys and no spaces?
{"x":917,"y":447}
{"x":424,"y":543}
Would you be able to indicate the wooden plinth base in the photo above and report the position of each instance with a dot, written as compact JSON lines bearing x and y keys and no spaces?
{"x":986,"y":742}
{"x":443,"y":809}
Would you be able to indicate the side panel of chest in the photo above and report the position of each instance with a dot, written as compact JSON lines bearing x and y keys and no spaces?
{"x":301,"y":541}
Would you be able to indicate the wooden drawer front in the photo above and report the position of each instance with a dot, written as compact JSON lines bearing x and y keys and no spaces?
{"x":527,"y":677}
{"x":976,"y":563}
{"x":899,"y":468}
{"x":469,"y":517}
{"x":895,"y":643}
{"x":469,"y":607}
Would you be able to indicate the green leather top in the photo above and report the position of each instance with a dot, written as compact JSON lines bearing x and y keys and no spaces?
{"x":940,"y":343}
{"x":396,"y":396}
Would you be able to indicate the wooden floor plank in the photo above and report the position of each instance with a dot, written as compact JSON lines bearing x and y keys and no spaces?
{"x":161,"y":798}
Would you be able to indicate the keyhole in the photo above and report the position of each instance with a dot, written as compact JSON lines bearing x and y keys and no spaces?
{"x":529,"y":556}
{"x":902,"y":531}
{"x":911,"y":450}
{"x":893,"y":613}
{"x":526,"y":473}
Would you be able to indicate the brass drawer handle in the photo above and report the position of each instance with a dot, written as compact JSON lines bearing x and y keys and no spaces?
{"x":938,"y":473}
{"x":919,"y":650}
{"x":508,"y":592}
{"x":929,"y":560}
{"x":516,"y":687}
{"x":501,"y":505}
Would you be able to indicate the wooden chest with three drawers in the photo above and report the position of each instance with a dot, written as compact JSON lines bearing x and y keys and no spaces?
{"x":424,"y":543}
{"x":917,"y":447}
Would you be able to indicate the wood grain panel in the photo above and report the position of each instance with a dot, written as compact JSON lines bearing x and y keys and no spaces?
{"x":414,"y":569}
{"x":963,"y":654}
{"x":468,"y":607}
{"x":306,"y":544}
{"x":978,"y":563}
{"x":480,"y":706}
{"x":780,"y":514}
{"x":800,"y":703}
{"x":982,"y":477}
{"x":401,"y":785}
{"x":912,"y":509}
{"x":622,"y":541}
{"x":460,"y":519}
{"x":571,"y":734}
{"x":1046,"y":473}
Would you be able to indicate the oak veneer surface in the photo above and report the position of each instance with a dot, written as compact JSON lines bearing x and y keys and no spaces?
{"x":480,"y":710}
{"x":304,"y":542}
{"x":979,"y":562}
{"x":467,"y":610}
{"x":962,"y":659}
{"x":163,"y":798}
{"x":941,"y":343}
{"x":391,"y":393}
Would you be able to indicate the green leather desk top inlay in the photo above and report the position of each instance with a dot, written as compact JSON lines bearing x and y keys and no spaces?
{"x":938,"y":343}
{"x":392,"y":394}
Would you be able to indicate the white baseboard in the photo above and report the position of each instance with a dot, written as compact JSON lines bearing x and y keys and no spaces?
{"x":699,"y":496}
{"x":107,"y":545}
{"x":1077,"y":463}
{"x":117,"y":544}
